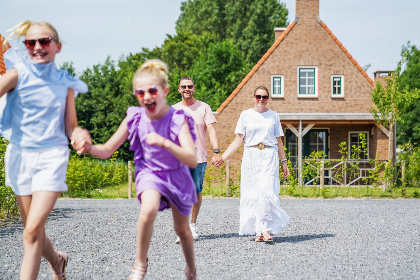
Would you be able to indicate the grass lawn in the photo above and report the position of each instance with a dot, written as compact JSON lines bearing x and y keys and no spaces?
{"x":219,"y":190}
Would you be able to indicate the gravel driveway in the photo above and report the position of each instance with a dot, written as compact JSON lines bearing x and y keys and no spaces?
{"x":326,"y":239}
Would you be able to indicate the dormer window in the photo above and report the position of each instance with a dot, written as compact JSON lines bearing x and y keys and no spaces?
{"x":337,"y":86}
{"x":307,"y":81}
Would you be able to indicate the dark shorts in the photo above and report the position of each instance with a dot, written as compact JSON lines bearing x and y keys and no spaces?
{"x":197,"y":175}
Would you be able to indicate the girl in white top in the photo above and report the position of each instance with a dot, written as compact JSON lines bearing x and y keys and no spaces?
{"x":260,"y":210}
{"x":39,"y":108}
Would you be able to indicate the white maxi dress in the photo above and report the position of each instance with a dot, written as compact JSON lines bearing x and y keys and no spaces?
{"x":260,"y":208}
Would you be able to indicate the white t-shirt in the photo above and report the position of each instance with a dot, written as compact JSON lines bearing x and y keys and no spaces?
{"x":259,"y":127}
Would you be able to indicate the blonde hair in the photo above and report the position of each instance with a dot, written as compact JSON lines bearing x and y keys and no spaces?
{"x":22,"y":28}
{"x":154,"y":67}
{"x":263,"y":88}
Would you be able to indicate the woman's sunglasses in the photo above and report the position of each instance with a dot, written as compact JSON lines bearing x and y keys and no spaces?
{"x":265,"y":97}
{"x":44,"y":42}
{"x":140,"y":93}
{"x":189,"y":87}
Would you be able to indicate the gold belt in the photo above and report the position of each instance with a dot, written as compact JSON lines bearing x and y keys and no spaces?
{"x":261,"y":146}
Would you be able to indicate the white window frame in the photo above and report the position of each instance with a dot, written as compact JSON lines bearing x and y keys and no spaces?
{"x":367,"y":142}
{"x":341,"y":95}
{"x":315,"y":68}
{"x":273,"y":93}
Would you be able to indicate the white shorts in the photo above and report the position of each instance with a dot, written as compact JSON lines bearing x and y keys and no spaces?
{"x":31,"y":170}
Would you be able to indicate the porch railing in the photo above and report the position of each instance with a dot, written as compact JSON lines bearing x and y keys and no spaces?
{"x":336,"y":172}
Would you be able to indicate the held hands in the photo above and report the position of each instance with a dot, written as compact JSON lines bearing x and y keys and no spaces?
{"x":81,"y":140}
{"x":217,"y":160}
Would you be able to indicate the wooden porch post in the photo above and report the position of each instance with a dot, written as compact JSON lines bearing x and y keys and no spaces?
{"x":300,"y":154}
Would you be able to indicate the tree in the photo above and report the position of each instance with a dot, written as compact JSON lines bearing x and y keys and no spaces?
{"x":250,"y":23}
{"x":104,"y":106}
{"x":392,"y":102}
{"x":217,"y":72}
{"x":408,"y":129}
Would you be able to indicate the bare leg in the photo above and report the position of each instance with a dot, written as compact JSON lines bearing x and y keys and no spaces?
{"x":35,"y":210}
{"x":196,"y":208}
{"x":182,"y":229}
{"x":150,"y":200}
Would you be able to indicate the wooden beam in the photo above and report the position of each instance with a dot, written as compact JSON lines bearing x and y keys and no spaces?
{"x":293,"y":129}
{"x":307,"y":128}
{"x":383,"y":129}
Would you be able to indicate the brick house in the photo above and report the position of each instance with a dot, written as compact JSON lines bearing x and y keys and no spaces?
{"x":319,"y":90}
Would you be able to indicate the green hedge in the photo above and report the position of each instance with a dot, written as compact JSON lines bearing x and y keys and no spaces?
{"x":85,"y":174}
{"x":8,"y":205}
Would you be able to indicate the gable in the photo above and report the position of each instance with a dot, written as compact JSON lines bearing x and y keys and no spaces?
{"x":308,"y":43}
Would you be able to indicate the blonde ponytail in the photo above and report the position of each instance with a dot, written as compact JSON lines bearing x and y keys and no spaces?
{"x":154,"y":67}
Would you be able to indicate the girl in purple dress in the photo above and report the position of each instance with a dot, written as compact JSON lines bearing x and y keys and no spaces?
{"x":162,"y":139}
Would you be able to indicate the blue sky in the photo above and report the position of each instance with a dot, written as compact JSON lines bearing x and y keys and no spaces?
{"x":372,"y":31}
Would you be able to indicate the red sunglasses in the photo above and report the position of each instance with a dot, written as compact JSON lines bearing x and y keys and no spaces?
{"x":44,"y":42}
{"x":265,"y":97}
{"x":140,"y":93}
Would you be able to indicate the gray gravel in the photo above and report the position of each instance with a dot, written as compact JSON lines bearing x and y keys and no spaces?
{"x":326,"y":239}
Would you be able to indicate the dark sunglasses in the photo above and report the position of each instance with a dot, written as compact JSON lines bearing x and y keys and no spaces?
{"x":140,"y":93}
{"x":44,"y":42}
{"x":265,"y":97}
{"x":189,"y":87}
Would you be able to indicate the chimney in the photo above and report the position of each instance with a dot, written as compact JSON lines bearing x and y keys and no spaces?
{"x":278,"y":31}
{"x":382,"y":76}
{"x":307,"y":9}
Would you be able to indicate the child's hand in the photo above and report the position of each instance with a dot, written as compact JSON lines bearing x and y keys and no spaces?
{"x":155,"y":139}
{"x":81,"y":141}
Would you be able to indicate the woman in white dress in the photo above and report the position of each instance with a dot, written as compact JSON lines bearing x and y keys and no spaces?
{"x":260,"y":128}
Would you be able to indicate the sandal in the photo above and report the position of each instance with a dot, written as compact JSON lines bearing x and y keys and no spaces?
{"x":58,"y":271}
{"x":139,"y":271}
{"x":259,"y":238}
{"x":191,"y":276}
{"x":267,"y":237}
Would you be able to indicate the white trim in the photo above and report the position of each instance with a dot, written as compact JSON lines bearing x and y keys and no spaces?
{"x":281,"y":95}
{"x":341,"y":95}
{"x":367,"y":142}
{"x":315,"y":82}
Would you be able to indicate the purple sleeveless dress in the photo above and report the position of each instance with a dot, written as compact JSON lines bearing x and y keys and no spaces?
{"x":156,"y":168}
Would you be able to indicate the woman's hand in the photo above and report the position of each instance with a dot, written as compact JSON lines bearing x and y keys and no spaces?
{"x":286,"y":171}
{"x":217,"y":160}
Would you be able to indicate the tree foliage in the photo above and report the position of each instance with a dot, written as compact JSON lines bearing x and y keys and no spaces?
{"x":217,"y":43}
{"x":249,"y":23}
{"x":408,"y":129}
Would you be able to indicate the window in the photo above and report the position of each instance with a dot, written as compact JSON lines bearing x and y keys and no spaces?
{"x":337,"y":86}
{"x":358,"y":145}
{"x":307,"y":81}
{"x":277,"y":86}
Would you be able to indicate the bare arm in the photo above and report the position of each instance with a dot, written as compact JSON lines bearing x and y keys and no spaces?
{"x":217,"y":158}
{"x":185,"y":152}
{"x":282,"y":155}
{"x":237,"y":142}
{"x":84,"y":142}
{"x":106,"y":150}
{"x":8,"y":82}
